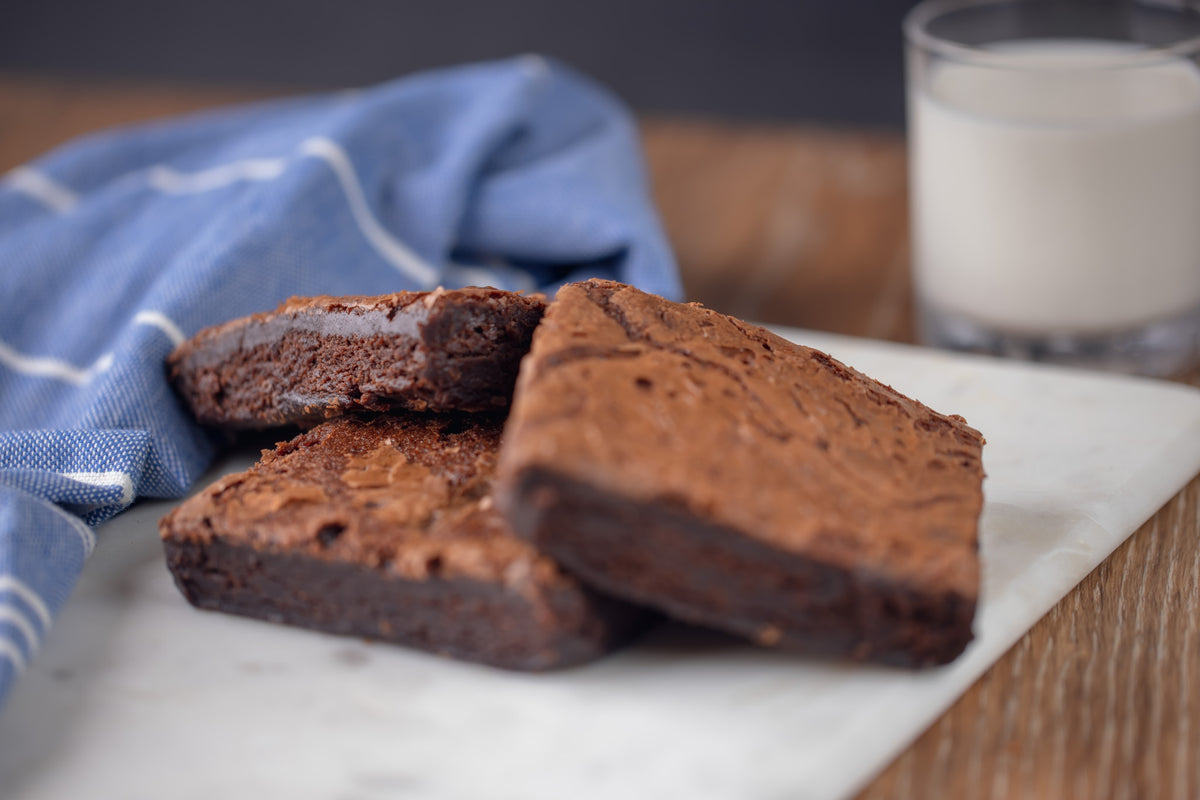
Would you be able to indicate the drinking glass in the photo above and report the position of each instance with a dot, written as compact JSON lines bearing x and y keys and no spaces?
{"x":1055,"y":180}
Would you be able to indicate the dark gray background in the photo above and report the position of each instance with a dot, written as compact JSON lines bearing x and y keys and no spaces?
{"x":815,"y":60}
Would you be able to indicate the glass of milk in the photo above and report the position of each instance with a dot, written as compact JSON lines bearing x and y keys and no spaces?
{"x":1055,"y":178}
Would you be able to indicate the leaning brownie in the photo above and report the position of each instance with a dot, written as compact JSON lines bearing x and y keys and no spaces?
{"x":385,"y":528}
{"x":684,"y":459}
{"x":314,"y":357}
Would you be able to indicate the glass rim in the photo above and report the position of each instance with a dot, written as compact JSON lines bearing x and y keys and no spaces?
{"x":916,"y":33}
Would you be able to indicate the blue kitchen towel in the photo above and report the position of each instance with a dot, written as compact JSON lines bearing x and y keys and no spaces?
{"x":518,"y":174}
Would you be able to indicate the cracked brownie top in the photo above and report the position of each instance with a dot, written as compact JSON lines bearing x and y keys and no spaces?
{"x":410,"y":495}
{"x":675,"y":404}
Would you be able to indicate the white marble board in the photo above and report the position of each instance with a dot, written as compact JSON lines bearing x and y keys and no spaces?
{"x":137,"y":695}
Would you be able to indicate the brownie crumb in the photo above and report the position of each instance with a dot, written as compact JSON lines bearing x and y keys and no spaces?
{"x":314,"y":358}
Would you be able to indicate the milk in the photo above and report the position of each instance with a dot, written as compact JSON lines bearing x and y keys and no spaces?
{"x":1048,"y":198}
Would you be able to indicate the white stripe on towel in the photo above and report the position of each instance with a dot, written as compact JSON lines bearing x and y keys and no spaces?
{"x":157,"y":319}
{"x":46,"y":191}
{"x":391,"y":248}
{"x":11,"y":583}
{"x":9,"y":650}
{"x":170,"y":181}
{"x":22,"y":623}
{"x":167,"y":179}
{"x":45,"y":367}
{"x":111,"y":478}
{"x":86,"y":535}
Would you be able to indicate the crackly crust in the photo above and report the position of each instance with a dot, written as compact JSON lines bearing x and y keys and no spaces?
{"x":386,"y":528}
{"x":759,"y":446}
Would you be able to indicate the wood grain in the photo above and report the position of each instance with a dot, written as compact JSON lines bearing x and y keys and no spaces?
{"x":1101,"y":699}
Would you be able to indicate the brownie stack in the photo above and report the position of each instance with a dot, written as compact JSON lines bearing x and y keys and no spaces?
{"x":379,"y":525}
{"x":656,"y":456}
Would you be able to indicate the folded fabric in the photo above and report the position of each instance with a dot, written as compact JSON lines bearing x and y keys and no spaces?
{"x":518,"y":174}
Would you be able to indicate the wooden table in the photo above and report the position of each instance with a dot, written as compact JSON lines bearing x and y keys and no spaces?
{"x":808,"y":227}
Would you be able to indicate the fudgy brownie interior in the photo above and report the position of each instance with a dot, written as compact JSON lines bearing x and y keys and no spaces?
{"x":316,"y":357}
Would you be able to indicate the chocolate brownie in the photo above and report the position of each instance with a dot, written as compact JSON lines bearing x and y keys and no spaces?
{"x":315,"y":357}
{"x":385,"y":528}
{"x":684,"y":459}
